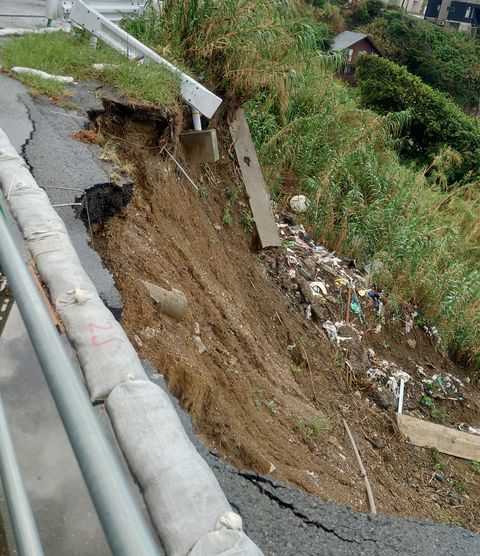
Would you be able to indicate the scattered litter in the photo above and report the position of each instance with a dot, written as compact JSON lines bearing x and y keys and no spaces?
{"x":443,"y":386}
{"x":332,"y":331}
{"x":43,"y":74}
{"x":341,"y":282}
{"x":318,"y":288}
{"x":394,"y":381}
{"x":376,"y":374}
{"x":387,"y":374}
{"x":308,"y":312}
{"x":412,"y":343}
{"x":466,"y":428}
{"x":409,"y":322}
{"x":433,"y":333}
{"x":376,"y":298}
{"x":196,"y":329}
{"x":101,"y":67}
{"x":355,"y":307}
{"x":299,"y":204}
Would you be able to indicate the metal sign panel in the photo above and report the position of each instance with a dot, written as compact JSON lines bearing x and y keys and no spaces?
{"x":192,"y":92}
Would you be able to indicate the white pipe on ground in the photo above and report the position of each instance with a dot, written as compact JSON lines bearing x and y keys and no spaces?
{"x":400,"y":397}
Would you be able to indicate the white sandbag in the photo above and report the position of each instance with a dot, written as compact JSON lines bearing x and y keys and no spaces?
{"x":227,"y":539}
{"x":18,"y":32}
{"x":182,"y":494}
{"x":102,"y":346}
{"x":45,"y":233}
{"x":103,"y":349}
{"x":186,"y":503}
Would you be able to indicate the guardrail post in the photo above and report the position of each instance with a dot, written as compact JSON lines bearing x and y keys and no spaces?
{"x":21,"y":516}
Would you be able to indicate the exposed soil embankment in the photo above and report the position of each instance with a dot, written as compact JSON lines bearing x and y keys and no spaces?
{"x":270,"y":391}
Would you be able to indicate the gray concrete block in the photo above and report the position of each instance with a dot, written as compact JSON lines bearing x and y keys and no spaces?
{"x":200,"y":146}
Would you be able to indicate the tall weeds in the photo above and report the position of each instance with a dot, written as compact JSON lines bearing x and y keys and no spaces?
{"x":237,"y":46}
{"x":369,"y":205}
{"x":311,"y":132}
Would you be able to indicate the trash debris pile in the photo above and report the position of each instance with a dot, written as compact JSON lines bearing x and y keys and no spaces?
{"x":386,"y":374}
{"x":347,"y":304}
{"x":321,"y":277}
{"x":441,"y":387}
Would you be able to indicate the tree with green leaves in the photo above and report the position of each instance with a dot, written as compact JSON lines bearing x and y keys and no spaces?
{"x":448,"y":61}
{"x":436,"y":122}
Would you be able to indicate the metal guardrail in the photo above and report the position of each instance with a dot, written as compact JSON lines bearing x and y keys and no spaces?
{"x":123,"y":524}
{"x":21,"y":516}
{"x":195,"y":94}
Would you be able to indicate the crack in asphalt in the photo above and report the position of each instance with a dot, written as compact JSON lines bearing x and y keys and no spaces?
{"x":23,"y":150}
{"x":257,"y":479}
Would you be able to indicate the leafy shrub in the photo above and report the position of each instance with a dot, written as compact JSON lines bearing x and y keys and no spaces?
{"x":436,"y":122}
{"x":449,"y":61}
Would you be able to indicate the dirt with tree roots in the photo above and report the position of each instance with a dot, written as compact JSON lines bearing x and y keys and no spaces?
{"x":270,"y":391}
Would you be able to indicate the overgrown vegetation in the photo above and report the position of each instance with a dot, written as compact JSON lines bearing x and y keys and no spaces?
{"x":360,"y":13}
{"x":436,"y":126}
{"x":449,"y":62}
{"x":367,"y":204}
{"x":62,"y":54}
{"x":238,"y":46}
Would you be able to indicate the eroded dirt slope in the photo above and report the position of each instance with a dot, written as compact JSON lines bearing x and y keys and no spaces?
{"x":270,"y":391}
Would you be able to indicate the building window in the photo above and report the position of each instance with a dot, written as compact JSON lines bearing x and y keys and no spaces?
{"x":350,"y":54}
{"x":468,"y":13}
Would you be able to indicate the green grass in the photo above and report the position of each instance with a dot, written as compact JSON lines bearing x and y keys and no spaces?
{"x":475,"y":466}
{"x":147,"y":82}
{"x":71,"y":54}
{"x":227,"y":215}
{"x":40,"y":86}
{"x":438,"y":463}
{"x":248,"y":221}
{"x":317,"y":426}
{"x":313,"y":428}
{"x":295,"y":369}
